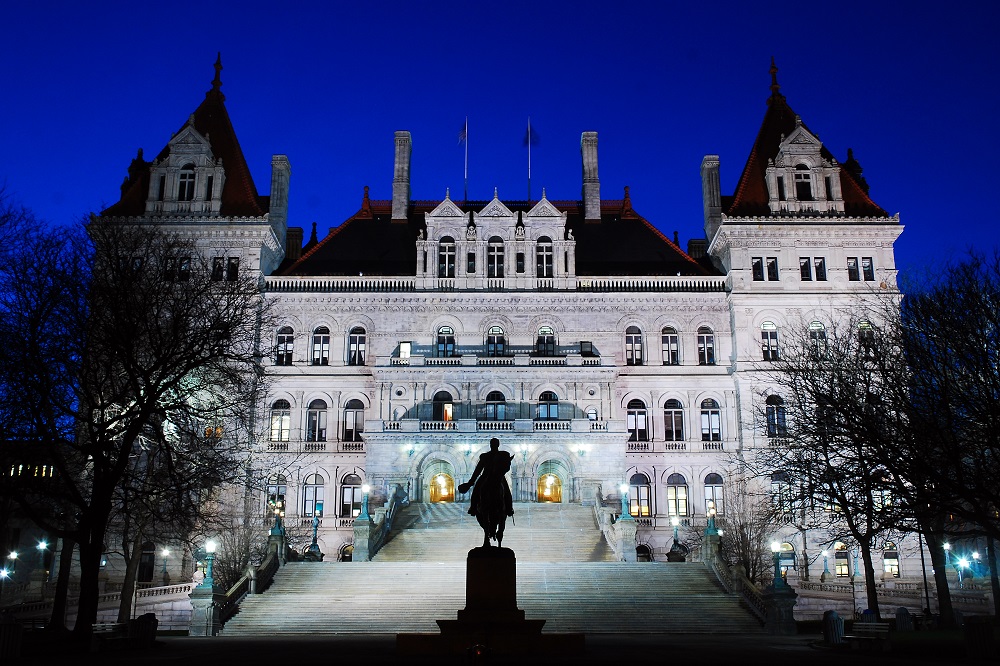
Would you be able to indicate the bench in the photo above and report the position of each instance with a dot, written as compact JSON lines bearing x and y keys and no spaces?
{"x":107,"y":636}
{"x":869,"y":636}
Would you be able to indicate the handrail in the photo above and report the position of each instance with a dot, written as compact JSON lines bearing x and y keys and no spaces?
{"x":377,"y":538}
{"x":748,"y":592}
{"x":266,"y":571}
{"x":233,"y":597}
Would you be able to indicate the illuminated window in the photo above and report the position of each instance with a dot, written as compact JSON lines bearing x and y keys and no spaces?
{"x":548,"y":407}
{"x":321,"y":346}
{"x":668,"y":340}
{"x":350,"y":496}
{"x":711,"y":421}
{"x":444,"y":408}
{"x":284,"y":346}
{"x":354,"y":420}
{"x":713,"y":494}
{"x":677,"y":495}
{"x":356,"y":346}
{"x":281,"y":420}
{"x":638,"y":495}
{"x":312,"y":495}
{"x":636,"y":421}
{"x":316,"y":421}
{"x":706,"y":346}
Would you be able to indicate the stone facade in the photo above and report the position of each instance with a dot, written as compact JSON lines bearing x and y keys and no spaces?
{"x":596,"y":349}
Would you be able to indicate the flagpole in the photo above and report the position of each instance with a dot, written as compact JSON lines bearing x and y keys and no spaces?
{"x":529,"y":158}
{"x":466,"y":193}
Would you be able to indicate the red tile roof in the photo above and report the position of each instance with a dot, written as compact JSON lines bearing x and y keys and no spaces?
{"x":239,"y":194}
{"x":369,"y":242}
{"x":751,"y":195}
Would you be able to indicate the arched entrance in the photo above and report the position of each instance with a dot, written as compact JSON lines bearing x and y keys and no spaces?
{"x":549,"y":488}
{"x":347,"y":553}
{"x":440,"y":479}
{"x":551,"y":477}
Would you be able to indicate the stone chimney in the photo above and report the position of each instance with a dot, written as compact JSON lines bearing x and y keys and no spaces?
{"x":401,"y":177}
{"x":281,"y":173}
{"x":591,"y":184}
{"x":293,"y":249}
{"x":711,"y":194}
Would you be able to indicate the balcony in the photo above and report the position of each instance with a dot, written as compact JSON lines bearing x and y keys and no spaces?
{"x":479,"y":355}
{"x":673,"y":447}
{"x":299,"y":446}
{"x":510,"y":425}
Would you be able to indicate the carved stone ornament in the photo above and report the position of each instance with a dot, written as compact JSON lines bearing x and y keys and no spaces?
{"x":470,"y":232}
{"x":493,"y":211}
{"x":519,"y":231}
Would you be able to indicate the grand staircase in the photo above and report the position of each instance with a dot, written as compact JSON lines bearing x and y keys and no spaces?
{"x":564,"y":576}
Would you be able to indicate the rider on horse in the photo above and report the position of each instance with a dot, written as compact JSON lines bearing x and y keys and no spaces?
{"x":491,"y":499}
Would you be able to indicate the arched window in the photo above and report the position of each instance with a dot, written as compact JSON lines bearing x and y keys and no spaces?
{"x":494,"y":258}
{"x":543,"y":258}
{"x":496,"y":341}
{"x":312,"y":495}
{"x":284,"y":345}
{"x":775,"y":408}
{"x":636,"y":421}
{"x":356,"y":343}
{"x":592,"y":414}
{"x":548,"y":406}
{"x":638,"y":495}
{"x":633,"y":346}
{"x":769,"y":341}
{"x":443,"y":407}
{"x":276,"y":489}
{"x":147,"y":562}
{"x":496,"y":406}
{"x":711,"y":421}
{"x":321,"y":346}
{"x":545,"y":343}
{"x":673,"y":421}
{"x":354,"y":420}
{"x":350,"y":496}
{"x":706,"y":346}
{"x":281,"y":421}
{"x":817,"y":339}
{"x":866,"y":338}
{"x":668,"y":338}
{"x":316,"y":421}
{"x":713,"y":493}
{"x":446,"y":257}
{"x":185,"y":183}
{"x":803,"y":183}
{"x":677,"y":495}
{"x":445,"y":342}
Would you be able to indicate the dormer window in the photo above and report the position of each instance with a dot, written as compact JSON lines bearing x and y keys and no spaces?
{"x":185,"y":183}
{"x":803,"y":183}
{"x":495,"y":258}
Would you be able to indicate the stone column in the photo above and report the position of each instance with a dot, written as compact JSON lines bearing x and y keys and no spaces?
{"x":206,"y":620}
{"x":625,"y":531}
{"x":779,"y":601}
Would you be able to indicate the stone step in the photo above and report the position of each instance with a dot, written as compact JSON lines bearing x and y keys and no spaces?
{"x":537,"y":533}
{"x":395,"y":597}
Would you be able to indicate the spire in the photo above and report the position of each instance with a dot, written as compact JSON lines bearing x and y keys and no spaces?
{"x":312,"y":236}
{"x":627,"y":213}
{"x":217,"y":81}
{"x":366,"y":207}
{"x":775,"y":88}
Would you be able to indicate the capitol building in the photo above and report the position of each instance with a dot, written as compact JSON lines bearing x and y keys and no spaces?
{"x":605,"y":356}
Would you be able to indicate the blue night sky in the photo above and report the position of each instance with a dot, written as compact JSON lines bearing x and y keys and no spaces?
{"x":913,"y":90}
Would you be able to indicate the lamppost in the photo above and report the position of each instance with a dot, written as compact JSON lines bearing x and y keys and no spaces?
{"x":779,"y":580}
{"x":675,"y":521}
{"x":947,"y":557}
{"x":42,"y":546}
{"x":975,"y":562}
{"x":365,"y":489}
{"x":165,"y":553}
{"x":857,"y":574}
{"x":277,"y":506}
{"x":962,"y":564}
{"x":626,"y":514}
{"x":209,"y":582}
{"x":826,"y":567}
{"x":710,"y":528}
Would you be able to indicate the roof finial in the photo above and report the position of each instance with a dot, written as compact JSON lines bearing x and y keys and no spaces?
{"x":217,"y":81}
{"x":447,"y":193}
{"x":774,"y":79}
{"x":494,"y":192}
{"x":543,"y":192}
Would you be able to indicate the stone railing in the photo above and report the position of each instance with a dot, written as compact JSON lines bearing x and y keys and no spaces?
{"x":370,"y":534}
{"x":494,"y":425}
{"x":736,"y":582}
{"x":329,"y":284}
{"x":552,"y":425}
{"x":653,"y":283}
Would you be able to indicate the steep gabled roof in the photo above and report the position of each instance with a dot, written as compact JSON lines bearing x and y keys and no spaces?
{"x":621,"y":243}
{"x":751,"y":195}
{"x":239,"y":194}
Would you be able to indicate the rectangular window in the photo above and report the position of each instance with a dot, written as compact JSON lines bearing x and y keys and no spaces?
{"x":805,"y":269}
{"x":772,"y":269}
{"x":350,"y":505}
{"x":673,"y":421}
{"x":829,"y":189}
{"x":520,"y":262}
{"x":670,"y":353}
{"x":868,"y":268}
{"x":757,"y":264}
{"x":769,"y":345}
{"x":232,"y":269}
{"x":163,"y":188}
{"x":170,"y":269}
{"x":853,"y":274}
{"x":819,"y":263}
{"x":208,"y":188}
{"x":316,"y":426}
{"x":677,"y":500}
{"x":218,"y":267}
{"x":711,"y":425}
{"x":781,"y":188}
{"x":470,"y":263}
{"x":404,"y":350}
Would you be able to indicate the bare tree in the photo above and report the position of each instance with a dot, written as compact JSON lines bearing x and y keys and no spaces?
{"x":136,"y":371}
{"x":747,"y":523}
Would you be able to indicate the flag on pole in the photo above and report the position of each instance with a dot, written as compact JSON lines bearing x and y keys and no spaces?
{"x":530,"y":136}
{"x":463,"y":134}
{"x":463,"y":137}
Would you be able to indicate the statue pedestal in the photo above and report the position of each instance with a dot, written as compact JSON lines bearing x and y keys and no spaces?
{"x":491,"y":621}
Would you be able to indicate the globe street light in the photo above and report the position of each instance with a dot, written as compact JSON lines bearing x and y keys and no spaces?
{"x":826,"y":566}
{"x":365,"y":489}
{"x":626,"y":514}
{"x":779,"y":580}
{"x":962,"y":564}
{"x":675,"y":521}
{"x":209,"y":582}
{"x":165,"y":553}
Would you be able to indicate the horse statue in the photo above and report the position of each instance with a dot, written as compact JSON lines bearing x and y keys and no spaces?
{"x":491,"y":500}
